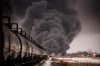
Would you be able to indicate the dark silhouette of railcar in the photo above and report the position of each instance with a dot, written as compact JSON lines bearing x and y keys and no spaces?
{"x":19,"y":48}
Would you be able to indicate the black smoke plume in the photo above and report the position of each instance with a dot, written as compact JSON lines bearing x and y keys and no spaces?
{"x":52,"y":23}
{"x":51,"y":26}
{"x":55,"y":31}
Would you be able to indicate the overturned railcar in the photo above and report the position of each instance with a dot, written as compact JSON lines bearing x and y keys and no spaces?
{"x":20,"y":48}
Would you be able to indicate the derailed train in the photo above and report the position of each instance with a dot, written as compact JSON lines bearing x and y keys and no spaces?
{"x":20,"y":48}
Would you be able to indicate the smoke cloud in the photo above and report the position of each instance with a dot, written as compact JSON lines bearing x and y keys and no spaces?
{"x":35,"y":11}
{"x":55,"y":31}
{"x":52,"y":23}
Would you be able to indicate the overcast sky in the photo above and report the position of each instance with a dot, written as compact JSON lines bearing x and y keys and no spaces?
{"x":89,"y":37}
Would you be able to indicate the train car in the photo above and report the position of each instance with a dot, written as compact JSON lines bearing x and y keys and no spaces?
{"x":20,"y":48}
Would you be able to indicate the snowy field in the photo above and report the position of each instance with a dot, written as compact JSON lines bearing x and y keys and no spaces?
{"x":80,"y":60}
{"x":71,"y":62}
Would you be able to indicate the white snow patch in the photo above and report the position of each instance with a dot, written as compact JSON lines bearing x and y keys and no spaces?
{"x":80,"y":60}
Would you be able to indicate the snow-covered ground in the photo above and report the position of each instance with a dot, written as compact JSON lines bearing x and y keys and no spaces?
{"x":80,"y":60}
{"x":70,"y":60}
{"x":47,"y":63}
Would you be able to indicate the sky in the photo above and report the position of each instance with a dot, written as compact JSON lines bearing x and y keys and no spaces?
{"x":89,"y":37}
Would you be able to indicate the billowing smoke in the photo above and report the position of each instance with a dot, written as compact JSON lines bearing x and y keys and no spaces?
{"x":55,"y":31}
{"x":35,"y":11}
{"x":51,"y":28}
{"x":52,"y":23}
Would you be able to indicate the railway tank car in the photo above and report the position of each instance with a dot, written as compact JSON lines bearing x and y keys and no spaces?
{"x":20,"y":48}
